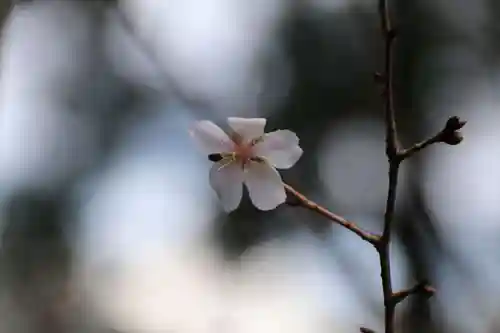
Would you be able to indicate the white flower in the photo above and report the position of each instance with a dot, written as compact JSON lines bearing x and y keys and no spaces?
{"x":247,"y":156}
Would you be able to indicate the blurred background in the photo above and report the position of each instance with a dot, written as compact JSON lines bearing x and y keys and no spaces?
{"x":107,"y":220}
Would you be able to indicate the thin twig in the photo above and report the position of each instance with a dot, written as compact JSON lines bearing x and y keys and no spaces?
{"x":422,"y":288}
{"x":450,"y":134}
{"x":311,"y":205}
{"x":407,"y":153}
{"x":389,"y":35}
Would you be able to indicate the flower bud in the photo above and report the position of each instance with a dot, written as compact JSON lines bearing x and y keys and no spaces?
{"x":450,"y":134}
{"x":453,"y":138}
{"x":454,"y":124}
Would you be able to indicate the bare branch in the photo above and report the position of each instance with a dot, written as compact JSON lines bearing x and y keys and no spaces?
{"x":392,"y":152}
{"x":421,"y":288}
{"x":449,"y":134}
{"x":389,"y":35}
{"x":303,"y":201}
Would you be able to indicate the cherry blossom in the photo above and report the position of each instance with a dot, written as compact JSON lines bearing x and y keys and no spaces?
{"x":247,"y":155}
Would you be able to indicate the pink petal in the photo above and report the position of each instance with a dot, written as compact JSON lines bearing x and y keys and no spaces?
{"x":210,"y":137}
{"x":247,"y":128}
{"x":265,"y":186}
{"x":227,"y":181}
{"x":280,"y":148}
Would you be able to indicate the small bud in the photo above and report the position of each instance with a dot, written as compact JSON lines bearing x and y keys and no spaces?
{"x":428,"y":291}
{"x":450,"y":134}
{"x":454,"y":124}
{"x":453,"y":138}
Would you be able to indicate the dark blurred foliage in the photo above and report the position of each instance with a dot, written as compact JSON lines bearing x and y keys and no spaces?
{"x":332,"y":80}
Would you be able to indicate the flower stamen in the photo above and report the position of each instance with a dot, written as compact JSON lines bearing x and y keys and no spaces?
{"x":257,"y":140}
{"x":227,"y":159}
{"x":258,"y":159}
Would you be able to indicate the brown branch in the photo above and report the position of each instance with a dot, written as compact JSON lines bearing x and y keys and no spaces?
{"x":389,"y":35}
{"x":421,"y":288}
{"x":383,"y":247}
{"x":393,"y":154}
{"x":407,"y":153}
{"x":303,"y":201}
{"x":449,"y":134}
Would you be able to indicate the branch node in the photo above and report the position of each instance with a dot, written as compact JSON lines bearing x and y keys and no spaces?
{"x":422,"y":288}
{"x":393,"y":153}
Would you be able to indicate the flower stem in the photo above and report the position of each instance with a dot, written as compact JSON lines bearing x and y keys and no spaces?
{"x":303,"y":201}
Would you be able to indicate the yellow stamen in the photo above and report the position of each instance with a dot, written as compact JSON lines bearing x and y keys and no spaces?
{"x":257,"y":140}
{"x":228,"y":159}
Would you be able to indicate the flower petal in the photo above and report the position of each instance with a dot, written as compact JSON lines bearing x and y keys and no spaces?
{"x":247,"y":128}
{"x":210,"y":137}
{"x":227,"y":181}
{"x":265,"y":186}
{"x":280,"y":148}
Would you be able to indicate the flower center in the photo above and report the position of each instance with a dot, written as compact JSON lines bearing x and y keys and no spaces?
{"x":243,"y":152}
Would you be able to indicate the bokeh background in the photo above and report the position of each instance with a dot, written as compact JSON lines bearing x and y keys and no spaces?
{"x":108,"y":223}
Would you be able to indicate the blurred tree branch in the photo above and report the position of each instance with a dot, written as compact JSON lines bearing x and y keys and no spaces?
{"x":169,"y":84}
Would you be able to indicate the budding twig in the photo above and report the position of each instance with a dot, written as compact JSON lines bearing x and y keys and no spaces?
{"x":450,"y":134}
